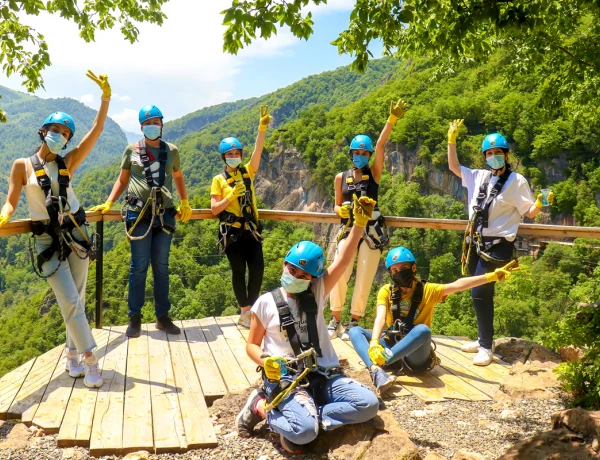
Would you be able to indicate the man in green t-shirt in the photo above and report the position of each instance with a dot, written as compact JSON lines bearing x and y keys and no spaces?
{"x":149,"y":169}
{"x":405,"y":310}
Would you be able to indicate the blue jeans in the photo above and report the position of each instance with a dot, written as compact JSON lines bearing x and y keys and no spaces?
{"x":154,"y":249}
{"x":414,"y":346}
{"x":483,"y":296}
{"x":345,"y":401}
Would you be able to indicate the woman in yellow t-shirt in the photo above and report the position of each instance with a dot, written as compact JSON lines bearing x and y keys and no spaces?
{"x":232,"y":198}
{"x":406,"y":306}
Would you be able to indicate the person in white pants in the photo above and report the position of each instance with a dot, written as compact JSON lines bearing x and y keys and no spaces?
{"x":360,"y":180}
{"x":62,"y":242}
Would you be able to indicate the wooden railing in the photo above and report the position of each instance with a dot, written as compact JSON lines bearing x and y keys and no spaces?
{"x":533,"y":230}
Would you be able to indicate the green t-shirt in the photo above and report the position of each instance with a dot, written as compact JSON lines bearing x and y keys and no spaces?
{"x":137,"y":184}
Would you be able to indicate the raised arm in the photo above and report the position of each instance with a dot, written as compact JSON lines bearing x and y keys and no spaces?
{"x":78,"y":154}
{"x":453,"y":162}
{"x":15,"y":185}
{"x":265,"y":119}
{"x":363,"y":209}
{"x":117,"y":190}
{"x":396,"y":111}
{"x":462,"y":284}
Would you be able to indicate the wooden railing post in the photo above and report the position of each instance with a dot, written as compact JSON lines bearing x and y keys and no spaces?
{"x":99,"y":271}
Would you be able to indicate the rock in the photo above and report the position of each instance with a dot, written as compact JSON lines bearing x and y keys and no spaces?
{"x":512,"y":349}
{"x":555,"y":444}
{"x":18,"y":437}
{"x":570,"y":353}
{"x":434,"y":456}
{"x":586,"y":423}
{"x":139,"y":455}
{"x":533,"y":380}
{"x":36,"y":432}
{"x":71,"y":453}
{"x":464,"y":454}
{"x":507,"y":413}
{"x":542,"y":354}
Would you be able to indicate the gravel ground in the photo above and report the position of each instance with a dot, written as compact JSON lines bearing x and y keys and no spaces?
{"x":483,"y":427}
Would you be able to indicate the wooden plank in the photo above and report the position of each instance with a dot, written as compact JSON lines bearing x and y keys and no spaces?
{"x":459,"y":384}
{"x":137,"y":416}
{"x":244,"y":330}
{"x":11,"y":383}
{"x":438,"y":386}
{"x":169,"y":434}
{"x":199,"y":431}
{"x":345,"y":351}
{"x":485,"y":386}
{"x":233,"y":376}
{"x":76,"y":427}
{"x":451,"y":348}
{"x":419,"y":388}
{"x":211,"y":380}
{"x":32,"y":391}
{"x":237,"y":345}
{"x":107,"y":427}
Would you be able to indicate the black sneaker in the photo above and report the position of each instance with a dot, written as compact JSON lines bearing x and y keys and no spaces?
{"x":135,"y":326}
{"x":247,"y":419}
{"x":290,"y":447}
{"x":164,"y":323}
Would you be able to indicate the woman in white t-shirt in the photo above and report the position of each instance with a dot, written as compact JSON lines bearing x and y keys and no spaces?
{"x":333,"y":399}
{"x":505,"y":211}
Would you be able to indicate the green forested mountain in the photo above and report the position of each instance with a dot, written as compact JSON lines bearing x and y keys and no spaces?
{"x":318,"y":117}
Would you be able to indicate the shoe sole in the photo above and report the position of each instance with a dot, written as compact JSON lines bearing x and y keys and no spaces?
{"x":134,"y":335}
{"x":162,"y":328}
{"x":382,"y":390}
{"x":244,"y":409}
{"x":80,"y":374}
{"x":483,"y":364}
{"x":92,"y":385}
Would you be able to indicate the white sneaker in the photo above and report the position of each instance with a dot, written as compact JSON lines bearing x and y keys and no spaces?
{"x":73,"y":365}
{"x":471,"y":347}
{"x":92,"y":373}
{"x":244,"y":320}
{"x":484,"y":357}
{"x":349,"y":325}
{"x":334,"y":328}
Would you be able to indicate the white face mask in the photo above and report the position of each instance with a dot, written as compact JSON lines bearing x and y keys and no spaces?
{"x":233,"y":162}
{"x":151,"y":132}
{"x":292,"y":284}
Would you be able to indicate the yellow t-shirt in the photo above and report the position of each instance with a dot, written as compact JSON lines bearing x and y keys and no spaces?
{"x":432,"y":294}
{"x":221,"y":188}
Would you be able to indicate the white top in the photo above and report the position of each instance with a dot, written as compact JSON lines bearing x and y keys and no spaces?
{"x":276,"y":343}
{"x":35,"y":195}
{"x":506,"y":210}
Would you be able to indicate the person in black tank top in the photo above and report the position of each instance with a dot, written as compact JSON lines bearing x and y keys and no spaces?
{"x":360,"y":180}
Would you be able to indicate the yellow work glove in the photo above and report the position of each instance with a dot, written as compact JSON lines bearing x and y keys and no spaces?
{"x":102,"y":82}
{"x":538,"y":201}
{"x":344,"y":211}
{"x":396,"y":111}
{"x":453,"y":130}
{"x":501,"y":274}
{"x":271,"y":366}
{"x":363,"y":210}
{"x":4,"y":219}
{"x":376,"y":353}
{"x":184,"y":210}
{"x":265,"y":118}
{"x":236,"y":191}
{"x":103,"y":208}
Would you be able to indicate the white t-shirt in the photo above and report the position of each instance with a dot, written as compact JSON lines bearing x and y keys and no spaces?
{"x":506,"y":210}
{"x":276,"y":343}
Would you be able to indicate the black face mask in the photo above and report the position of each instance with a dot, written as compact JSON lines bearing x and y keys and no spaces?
{"x":404,"y":278}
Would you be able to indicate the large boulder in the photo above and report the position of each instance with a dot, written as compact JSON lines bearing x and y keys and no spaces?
{"x":464,"y":454}
{"x":578,"y":420}
{"x":556,"y":444}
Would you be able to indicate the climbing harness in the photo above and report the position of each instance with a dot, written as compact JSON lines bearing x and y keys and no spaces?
{"x":473,"y":237}
{"x":61,"y":224}
{"x":230,"y":225}
{"x":153,"y":206}
{"x":366,"y":187}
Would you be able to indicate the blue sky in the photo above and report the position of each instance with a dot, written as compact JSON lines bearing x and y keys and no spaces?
{"x":180,"y":66}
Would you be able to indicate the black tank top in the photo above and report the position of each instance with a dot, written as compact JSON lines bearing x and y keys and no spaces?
{"x":366,"y":187}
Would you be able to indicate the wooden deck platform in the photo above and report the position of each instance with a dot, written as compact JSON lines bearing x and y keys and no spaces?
{"x":157,"y":387}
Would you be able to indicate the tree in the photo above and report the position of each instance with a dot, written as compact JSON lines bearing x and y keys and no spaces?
{"x":23,"y":50}
{"x":558,"y":40}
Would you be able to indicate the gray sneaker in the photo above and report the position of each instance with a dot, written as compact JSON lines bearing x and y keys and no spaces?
{"x":349,"y":325}
{"x":381,"y":380}
{"x":334,"y":328}
{"x":247,"y":419}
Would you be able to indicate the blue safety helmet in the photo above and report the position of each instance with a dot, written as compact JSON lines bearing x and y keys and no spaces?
{"x":306,"y":256}
{"x":493,"y":141}
{"x":399,"y":255}
{"x":61,"y":118}
{"x":149,"y":111}
{"x":361,"y":142}
{"x":228,"y":144}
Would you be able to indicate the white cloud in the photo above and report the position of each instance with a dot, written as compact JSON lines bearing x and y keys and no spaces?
{"x":87,"y":99}
{"x":118,"y":97}
{"x":127,"y":119}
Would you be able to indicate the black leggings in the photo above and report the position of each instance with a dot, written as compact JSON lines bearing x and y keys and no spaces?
{"x":246,"y":251}
{"x":483,"y":296}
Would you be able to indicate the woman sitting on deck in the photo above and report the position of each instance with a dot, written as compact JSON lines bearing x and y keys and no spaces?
{"x":289,"y":321}
{"x":405,"y":308}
